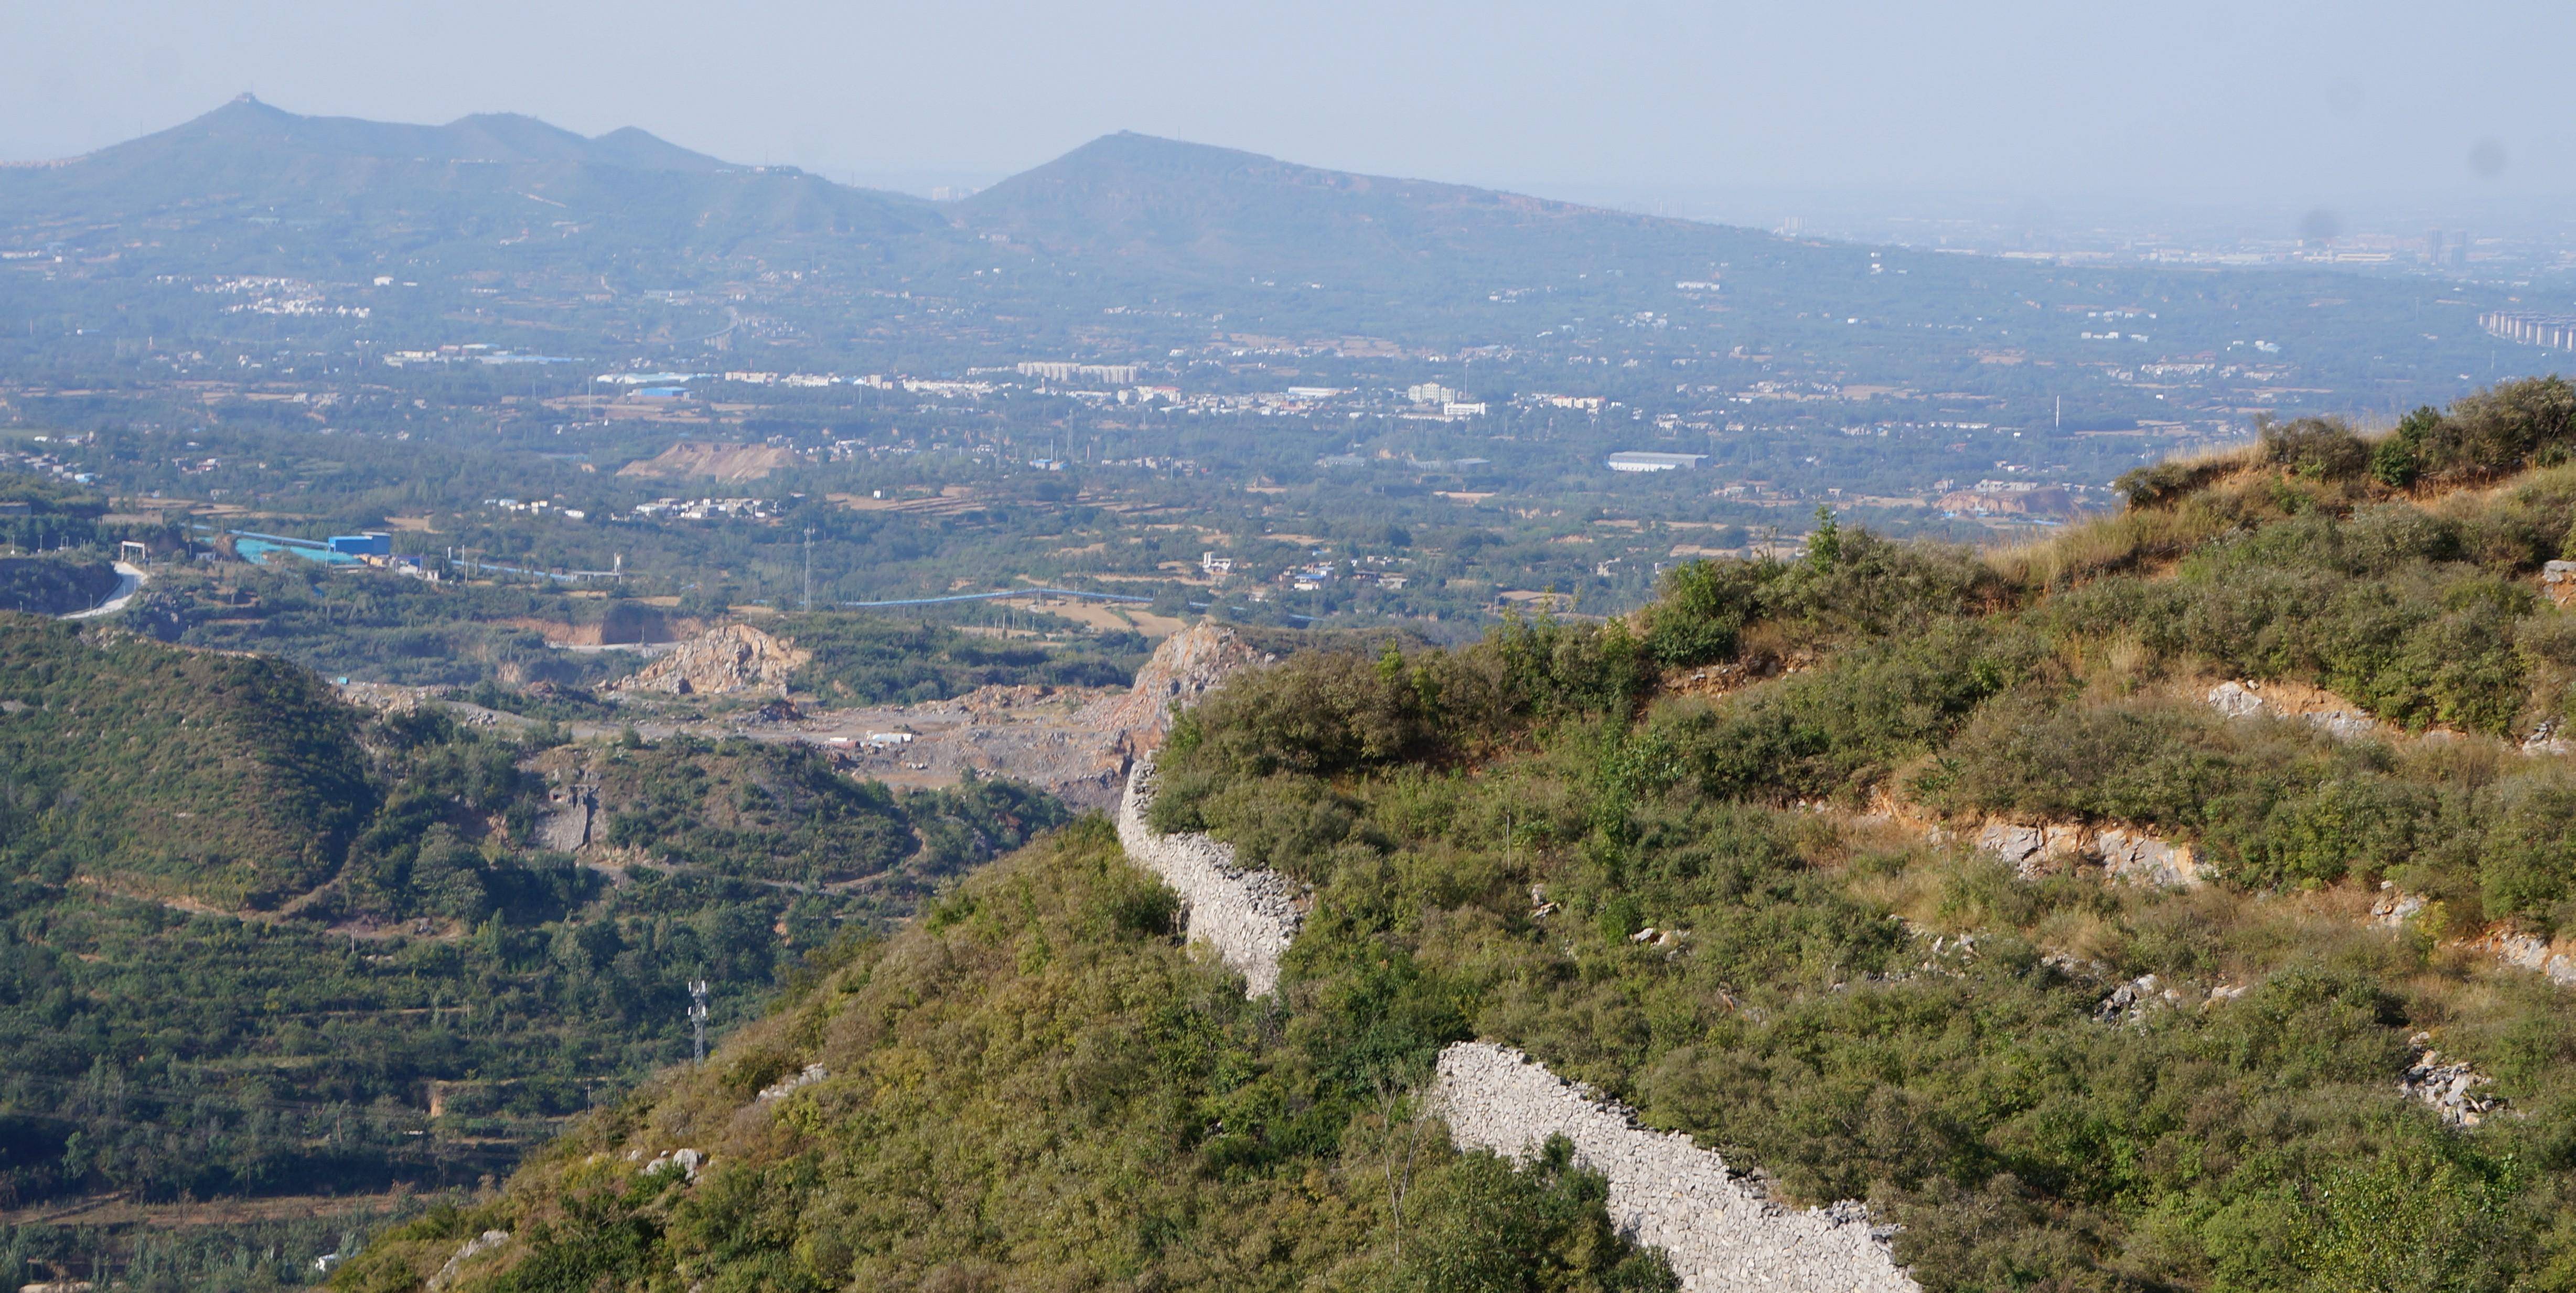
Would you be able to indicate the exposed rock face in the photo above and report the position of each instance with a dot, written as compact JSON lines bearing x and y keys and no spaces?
{"x":727,"y":660}
{"x":2558,"y":581}
{"x":2323,"y":710}
{"x":2131,"y":856}
{"x":2551,"y":961}
{"x":565,"y":827}
{"x":2533,"y":954}
{"x":1720,"y":1231}
{"x":473,"y":1248}
{"x":1188,"y":665}
{"x":793,"y":1082}
{"x":2395,"y":906}
{"x":1248,"y":916}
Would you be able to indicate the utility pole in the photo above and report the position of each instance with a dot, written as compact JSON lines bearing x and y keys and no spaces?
{"x":809,"y":568}
{"x":698,"y":1017}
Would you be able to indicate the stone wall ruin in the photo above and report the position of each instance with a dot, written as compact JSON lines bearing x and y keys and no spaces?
{"x":1720,"y":1232}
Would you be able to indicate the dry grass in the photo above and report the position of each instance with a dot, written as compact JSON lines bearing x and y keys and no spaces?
{"x":2119,"y":541}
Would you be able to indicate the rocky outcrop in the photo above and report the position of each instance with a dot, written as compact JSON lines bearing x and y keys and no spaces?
{"x":2529,"y":952}
{"x":1249,"y":916}
{"x":731,"y":659}
{"x":2125,"y":855}
{"x":2323,"y":710}
{"x":2558,"y":582}
{"x":1719,"y":1230}
{"x":1186,"y":666}
{"x":566,"y":824}
{"x":471,"y":1249}
{"x":793,"y":1082}
{"x":2555,"y":962}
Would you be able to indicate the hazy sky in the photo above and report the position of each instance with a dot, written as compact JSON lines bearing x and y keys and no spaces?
{"x":2434,"y":101}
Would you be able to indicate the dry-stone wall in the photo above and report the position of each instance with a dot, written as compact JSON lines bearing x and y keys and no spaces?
{"x":1249,"y":916}
{"x":1720,"y":1232}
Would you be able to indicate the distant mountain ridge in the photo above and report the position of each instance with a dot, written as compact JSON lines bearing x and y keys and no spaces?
{"x":1203,"y":210}
{"x":503,"y":137}
{"x":1132,"y":241}
{"x":1135,"y":203}
{"x":476,"y":176}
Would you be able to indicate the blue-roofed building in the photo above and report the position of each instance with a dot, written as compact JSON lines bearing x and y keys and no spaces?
{"x":260,"y":552}
{"x":370,"y":544}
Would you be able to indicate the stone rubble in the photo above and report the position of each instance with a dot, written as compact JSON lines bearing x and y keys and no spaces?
{"x":726,"y":660}
{"x":2131,"y":1002}
{"x":2448,"y":1088}
{"x":1719,"y":1230}
{"x":1249,"y":916}
{"x":2545,"y":739}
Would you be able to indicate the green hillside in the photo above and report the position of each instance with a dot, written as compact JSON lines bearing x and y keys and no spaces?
{"x":53,"y":586}
{"x":229,"y":780}
{"x":255,"y":943}
{"x":1717,"y":860}
{"x":1033,"y":1088}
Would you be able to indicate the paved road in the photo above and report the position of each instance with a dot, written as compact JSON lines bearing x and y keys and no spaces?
{"x":130,"y":580}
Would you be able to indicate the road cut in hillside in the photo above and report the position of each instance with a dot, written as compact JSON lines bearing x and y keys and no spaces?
{"x":130,"y":580}
{"x":1665,"y":1191}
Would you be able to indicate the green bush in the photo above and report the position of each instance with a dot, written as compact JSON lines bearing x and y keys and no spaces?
{"x":2317,"y":448}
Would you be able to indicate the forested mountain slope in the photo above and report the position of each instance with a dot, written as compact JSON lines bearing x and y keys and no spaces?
{"x":1719,"y":861}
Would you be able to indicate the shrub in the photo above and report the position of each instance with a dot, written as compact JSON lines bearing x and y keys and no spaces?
{"x":2317,"y":448}
{"x":1703,"y":610}
{"x":2398,"y":459}
{"x":2168,"y":482}
{"x":2501,"y":429}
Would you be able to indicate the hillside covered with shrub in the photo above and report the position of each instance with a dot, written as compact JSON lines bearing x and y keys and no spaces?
{"x":256,"y":942}
{"x":1718,"y":859}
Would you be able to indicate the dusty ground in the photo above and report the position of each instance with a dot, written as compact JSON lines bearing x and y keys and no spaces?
{"x":692,"y":459}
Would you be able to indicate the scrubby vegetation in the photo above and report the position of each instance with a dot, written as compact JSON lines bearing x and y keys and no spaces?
{"x":1747,"y":770}
{"x":1037,"y":1088}
{"x":253,"y":941}
{"x":859,"y":660}
{"x":53,"y":585}
{"x":492,"y":638}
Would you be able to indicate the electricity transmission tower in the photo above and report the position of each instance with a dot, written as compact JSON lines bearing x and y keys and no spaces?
{"x":698,"y":1016}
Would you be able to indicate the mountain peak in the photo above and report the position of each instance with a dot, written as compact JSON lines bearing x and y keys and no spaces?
{"x":508,"y":137}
